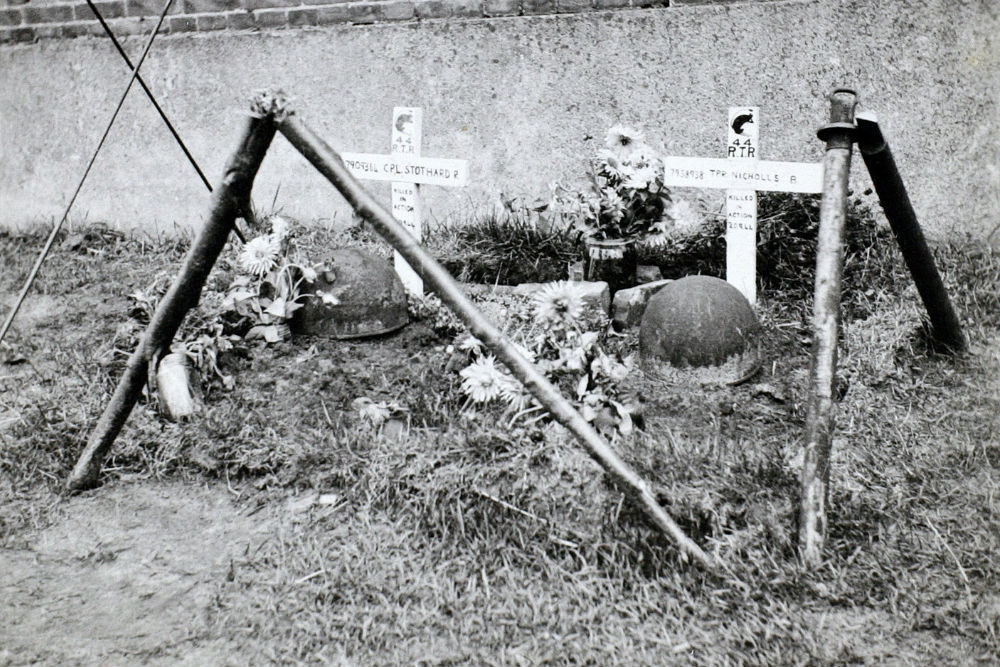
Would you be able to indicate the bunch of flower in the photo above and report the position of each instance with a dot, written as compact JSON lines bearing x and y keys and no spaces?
{"x":203,"y":336}
{"x":267,"y":289}
{"x":624,"y":196}
{"x":557,"y":342}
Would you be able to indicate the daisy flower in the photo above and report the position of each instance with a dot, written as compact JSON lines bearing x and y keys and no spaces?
{"x":482,"y":381}
{"x":685,"y":216}
{"x":559,"y":303}
{"x":259,"y":255}
{"x":623,"y":140}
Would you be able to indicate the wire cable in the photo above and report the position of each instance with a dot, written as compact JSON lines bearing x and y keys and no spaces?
{"x":248,"y":216}
{"x":149,"y":94}
{"x":93,"y":158}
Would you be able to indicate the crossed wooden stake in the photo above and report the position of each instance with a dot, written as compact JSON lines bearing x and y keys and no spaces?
{"x":271,"y":112}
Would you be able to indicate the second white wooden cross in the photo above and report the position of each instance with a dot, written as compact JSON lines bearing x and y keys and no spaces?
{"x":741,"y":173}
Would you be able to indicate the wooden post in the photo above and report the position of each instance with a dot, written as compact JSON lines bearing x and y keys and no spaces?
{"x":407,"y":135}
{"x":945,"y":326}
{"x":228,"y":201}
{"x":815,"y":477}
{"x":329,"y":163}
{"x":407,"y":171}
{"x":741,"y":205}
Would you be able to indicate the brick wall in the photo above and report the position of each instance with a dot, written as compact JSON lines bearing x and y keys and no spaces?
{"x":31,"y":20}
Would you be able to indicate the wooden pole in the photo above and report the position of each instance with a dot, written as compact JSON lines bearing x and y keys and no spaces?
{"x":228,"y":201}
{"x":815,"y":478}
{"x":328,"y":162}
{"x":946,"y":330}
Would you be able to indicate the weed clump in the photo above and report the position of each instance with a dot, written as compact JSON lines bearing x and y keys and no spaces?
{"x":506,"y":247}
{"x":515,"y":246}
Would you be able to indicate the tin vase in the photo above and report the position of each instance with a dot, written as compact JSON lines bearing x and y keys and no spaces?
{"x":612,"y":261}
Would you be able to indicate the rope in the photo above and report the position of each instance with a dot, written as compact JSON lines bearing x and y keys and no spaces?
{"x":93,"y":158}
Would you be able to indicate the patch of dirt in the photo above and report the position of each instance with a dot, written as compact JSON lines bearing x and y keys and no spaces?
{"x":123,"y":576}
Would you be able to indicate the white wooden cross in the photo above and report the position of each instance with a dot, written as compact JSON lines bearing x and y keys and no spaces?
{"x":406,"y":169}
{"x":741,"y":173}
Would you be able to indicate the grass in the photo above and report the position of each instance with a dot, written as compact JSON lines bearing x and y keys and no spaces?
{"x":509,"y":247}
{"x":505,"y":247}
{"x":461,"y":541}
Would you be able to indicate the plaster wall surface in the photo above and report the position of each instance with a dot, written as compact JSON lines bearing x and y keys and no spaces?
{"x":524,"y":99}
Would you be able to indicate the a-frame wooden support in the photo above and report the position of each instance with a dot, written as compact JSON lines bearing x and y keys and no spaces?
{"x":270,"y":111}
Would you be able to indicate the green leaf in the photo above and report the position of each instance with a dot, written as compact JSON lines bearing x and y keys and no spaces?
{"x":277,"y":307}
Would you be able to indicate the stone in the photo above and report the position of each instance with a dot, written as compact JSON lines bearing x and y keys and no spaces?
{"x":629,"y":304}
{"x":700,"y":330}
{"x":176,"y":387}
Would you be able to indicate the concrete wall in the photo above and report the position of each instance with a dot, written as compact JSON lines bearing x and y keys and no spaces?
{"x":519,"y":97}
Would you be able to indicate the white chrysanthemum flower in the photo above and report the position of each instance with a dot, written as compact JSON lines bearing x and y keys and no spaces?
{"x":482,"y":381}
{"x":514,"y":394}
{"x":612,"y":203}
{"x":610,"y":165}
{"x":309,"y":274}
{"x":279,"y":227}
{"x":640,"y":178}
{"x":259,"y":255}
{"x":470,"y":343}
{"x":623,"y":140}
{"x":685,"y":216}
{"x":559,"y":303}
